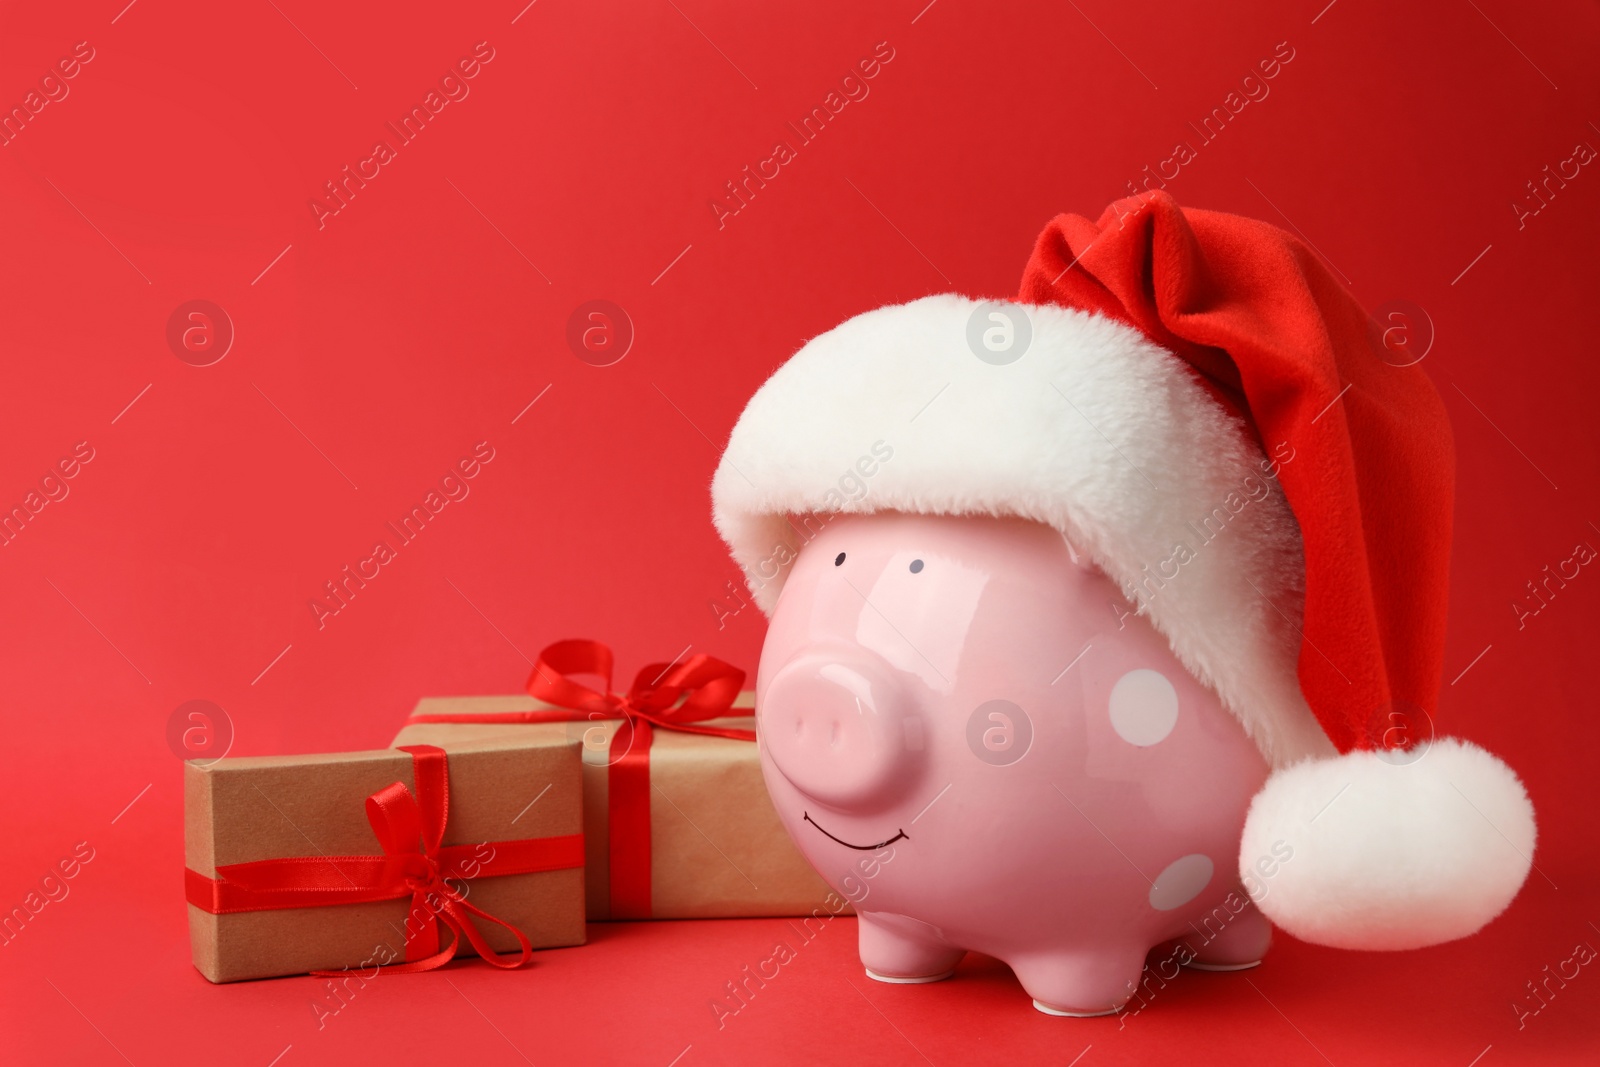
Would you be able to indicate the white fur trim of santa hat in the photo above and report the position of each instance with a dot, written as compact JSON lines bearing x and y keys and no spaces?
{"x":1100,"y":433}
{"x":1093,"y":430}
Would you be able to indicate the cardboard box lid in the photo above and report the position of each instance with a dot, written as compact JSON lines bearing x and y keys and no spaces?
{"x":246,"y":808}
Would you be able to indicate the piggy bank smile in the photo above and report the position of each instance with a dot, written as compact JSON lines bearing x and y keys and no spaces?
{"x":900,"y":835}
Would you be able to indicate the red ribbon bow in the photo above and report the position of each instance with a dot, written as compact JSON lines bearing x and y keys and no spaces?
{"x":707,"y":686}
{"x":673,"y":696}
{"x":410,"y":830}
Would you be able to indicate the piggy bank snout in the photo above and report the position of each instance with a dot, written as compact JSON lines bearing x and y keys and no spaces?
{"x":839,"y":728}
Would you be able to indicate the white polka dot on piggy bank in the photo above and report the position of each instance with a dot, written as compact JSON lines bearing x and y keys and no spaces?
{"x":1143,"y":707}
{"x":1181,"y":881}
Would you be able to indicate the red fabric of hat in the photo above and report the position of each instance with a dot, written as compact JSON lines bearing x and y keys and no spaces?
{"x":1278,"y":339}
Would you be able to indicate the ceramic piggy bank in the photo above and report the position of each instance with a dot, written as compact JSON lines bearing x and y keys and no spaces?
{"x":1114,"y":617}
{"x":979,"y":752}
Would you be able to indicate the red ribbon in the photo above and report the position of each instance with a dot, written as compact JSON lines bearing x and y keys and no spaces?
{"x":410,"y":829}
{"x":706,"y":687}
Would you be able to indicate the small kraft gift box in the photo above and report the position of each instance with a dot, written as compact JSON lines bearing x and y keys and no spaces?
{"x":398,"y":858}
{"x":677,"y":820}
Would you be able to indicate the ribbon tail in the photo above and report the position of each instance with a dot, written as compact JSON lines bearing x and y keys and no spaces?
{"x":421,"y":931}
{"x":463,"y":923}
{"x":438,"y":959}
{"x":420,"y":943}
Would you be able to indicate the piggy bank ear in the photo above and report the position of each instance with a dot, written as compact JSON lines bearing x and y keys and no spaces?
{"x":1389,"y":849}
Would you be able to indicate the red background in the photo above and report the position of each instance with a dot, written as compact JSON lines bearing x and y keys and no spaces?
{"x":380,"y":348}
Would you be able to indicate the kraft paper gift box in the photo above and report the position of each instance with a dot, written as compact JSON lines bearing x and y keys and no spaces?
{"x":715,"y":846}
{"x":511,"y":846}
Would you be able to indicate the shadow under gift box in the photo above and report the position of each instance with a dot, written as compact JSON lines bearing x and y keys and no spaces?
{"x":245,"y":809}
{"x":717,"y":849}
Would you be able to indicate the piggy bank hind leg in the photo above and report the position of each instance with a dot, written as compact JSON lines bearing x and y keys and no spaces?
{"x":1081,"y":982}
{"x":1237,"y":946}
{"x":898,"y":949}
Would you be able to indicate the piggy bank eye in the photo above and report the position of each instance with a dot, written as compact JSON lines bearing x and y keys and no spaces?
{"x":916,"y":566}
{"x":838,"y":561}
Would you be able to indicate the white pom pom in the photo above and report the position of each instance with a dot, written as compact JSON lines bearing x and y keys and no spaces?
{"x":1389,"y":850}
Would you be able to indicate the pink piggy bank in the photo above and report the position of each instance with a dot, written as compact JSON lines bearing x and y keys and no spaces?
{"x":973,"y":738}
{"x":1103,"y":619}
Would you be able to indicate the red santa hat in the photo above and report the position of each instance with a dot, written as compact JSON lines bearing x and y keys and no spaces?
{"x":1166,"y":376}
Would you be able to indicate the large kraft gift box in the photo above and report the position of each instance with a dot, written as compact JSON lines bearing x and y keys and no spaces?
{"x":268,"y":839}
{"x":712,"y":846}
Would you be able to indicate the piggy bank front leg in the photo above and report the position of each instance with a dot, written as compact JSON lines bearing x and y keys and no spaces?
{"x":1081,"y":982}
{"x":898,"y":949}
